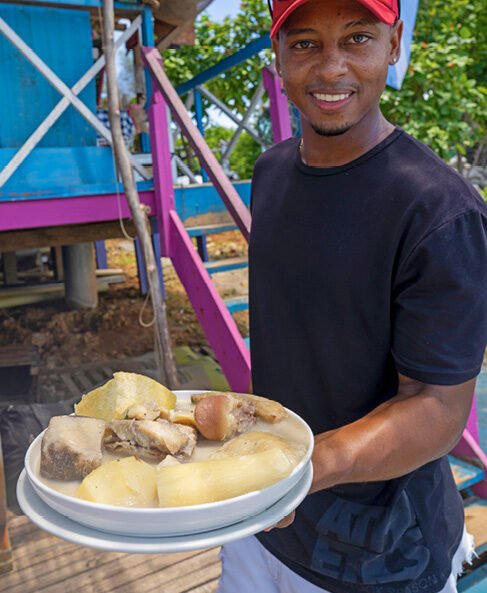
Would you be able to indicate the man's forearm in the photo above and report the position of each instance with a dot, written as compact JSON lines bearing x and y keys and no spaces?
{"x":399,"y":436}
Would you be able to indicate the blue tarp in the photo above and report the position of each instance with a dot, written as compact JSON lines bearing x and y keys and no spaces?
{"x":397,"y":73}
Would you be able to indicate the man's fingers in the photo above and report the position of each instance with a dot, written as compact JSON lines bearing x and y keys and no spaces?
{"x":283,"y":522}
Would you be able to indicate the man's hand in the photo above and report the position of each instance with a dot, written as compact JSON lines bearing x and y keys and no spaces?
{"x":288,"y":519}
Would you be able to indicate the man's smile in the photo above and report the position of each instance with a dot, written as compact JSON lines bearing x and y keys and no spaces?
{"x":331,"y":100}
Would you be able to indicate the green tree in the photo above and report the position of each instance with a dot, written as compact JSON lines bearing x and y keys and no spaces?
{"x":216,"y":41}
{"x":443,"y":101}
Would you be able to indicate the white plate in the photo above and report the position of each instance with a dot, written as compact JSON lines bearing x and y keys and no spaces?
{"x":162,"y":522}
{"x":52,"y":522}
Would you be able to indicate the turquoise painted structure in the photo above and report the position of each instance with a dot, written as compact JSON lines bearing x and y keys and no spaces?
{"x":45,"y":31}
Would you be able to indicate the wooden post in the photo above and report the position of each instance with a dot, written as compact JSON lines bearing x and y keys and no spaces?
{"x":6,"y":562}
{"x":9,"y":259}
{"x":164,"y":353}
{"x":57,"y":262}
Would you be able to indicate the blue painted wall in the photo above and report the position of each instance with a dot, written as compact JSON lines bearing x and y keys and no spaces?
{"x":62,"y":39}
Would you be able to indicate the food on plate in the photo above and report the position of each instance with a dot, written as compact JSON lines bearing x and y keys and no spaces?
{"x":180,"y":416}
{"x":71,"y":447}
{"x":265,"y":409}
{"x":131,"y":443}
{"x":218,"y":479}
{"x":112,"y":400}
{"x":149,"y":439}
{"x":128,"y":482}
{"x":256,"y":442}
{"x":220,"y":417}
{"x":149,"y":410}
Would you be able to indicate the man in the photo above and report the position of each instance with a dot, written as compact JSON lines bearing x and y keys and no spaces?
{"x":367,"y":299}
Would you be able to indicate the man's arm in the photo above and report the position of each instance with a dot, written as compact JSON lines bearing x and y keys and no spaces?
{"x":421,"y":423}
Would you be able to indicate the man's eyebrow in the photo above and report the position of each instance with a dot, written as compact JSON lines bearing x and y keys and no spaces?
{"x":301,"y":31}
{"x":362,"y":22}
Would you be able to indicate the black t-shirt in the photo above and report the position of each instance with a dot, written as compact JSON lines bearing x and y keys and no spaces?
{"x":359,"y":272}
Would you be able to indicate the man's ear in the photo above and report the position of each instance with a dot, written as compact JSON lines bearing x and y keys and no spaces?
{"x":396,"y":37}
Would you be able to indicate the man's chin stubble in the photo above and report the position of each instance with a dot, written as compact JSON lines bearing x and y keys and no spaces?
{"x":331,"y":131}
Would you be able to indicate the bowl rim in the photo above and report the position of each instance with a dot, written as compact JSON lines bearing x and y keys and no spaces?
{"x":40,"y":486}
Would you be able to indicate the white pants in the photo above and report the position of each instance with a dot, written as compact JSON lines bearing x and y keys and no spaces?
{"x":247,"y":567}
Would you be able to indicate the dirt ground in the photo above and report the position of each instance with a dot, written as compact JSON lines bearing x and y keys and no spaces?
{"x":112,"y":330}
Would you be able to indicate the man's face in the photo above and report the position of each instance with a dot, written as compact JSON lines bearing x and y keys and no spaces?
{"x":333,"y":58}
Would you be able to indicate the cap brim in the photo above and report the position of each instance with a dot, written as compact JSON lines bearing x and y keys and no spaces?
{"x":278,"y":24}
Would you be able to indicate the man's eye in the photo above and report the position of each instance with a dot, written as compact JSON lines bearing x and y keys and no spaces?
{"x":359,"y":39}
{"x":303,"y":45}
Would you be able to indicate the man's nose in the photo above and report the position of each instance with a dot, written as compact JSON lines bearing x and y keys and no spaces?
{"x":331,"y":64}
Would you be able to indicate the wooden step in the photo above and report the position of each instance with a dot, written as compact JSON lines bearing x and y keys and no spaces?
{"x":476,"y":521}
{"x":211,"y":229}
{"x":236,"y":304}
{"x":226,"y":265}
{"x":465,"y":474}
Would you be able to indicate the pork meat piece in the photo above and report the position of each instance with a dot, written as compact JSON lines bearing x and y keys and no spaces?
{"x":71,"y":447}
{"x":146,"y":438}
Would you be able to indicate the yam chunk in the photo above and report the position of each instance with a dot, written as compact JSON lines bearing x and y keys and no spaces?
{"x":218,"y":479}
{"x":256,"y":442}
{"x":128,"y":482}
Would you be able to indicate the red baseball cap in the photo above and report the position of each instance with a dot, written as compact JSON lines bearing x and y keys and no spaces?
{"x":386,"y":11}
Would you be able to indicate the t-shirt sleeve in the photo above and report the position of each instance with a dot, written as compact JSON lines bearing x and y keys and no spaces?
{"x":439,"y":314}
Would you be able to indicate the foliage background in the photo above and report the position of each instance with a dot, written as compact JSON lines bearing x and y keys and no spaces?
{"x":443,"y":101}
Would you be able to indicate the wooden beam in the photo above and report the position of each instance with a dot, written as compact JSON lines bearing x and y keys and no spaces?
{"x":63,"y":235}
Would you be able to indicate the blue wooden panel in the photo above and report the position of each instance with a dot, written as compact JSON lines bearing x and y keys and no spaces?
{"x":475,"y":582}
{"x":50,"y":172}
{"x":62,"y":39}
{"x":195,"y":200}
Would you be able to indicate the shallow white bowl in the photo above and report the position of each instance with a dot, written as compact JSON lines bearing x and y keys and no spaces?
{"x":160,"y":522}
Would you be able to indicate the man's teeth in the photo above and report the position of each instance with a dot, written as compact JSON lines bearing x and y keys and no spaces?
{"x":326,"y":97}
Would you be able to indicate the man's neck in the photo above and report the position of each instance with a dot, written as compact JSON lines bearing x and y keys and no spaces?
{"x":333,"y":151}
